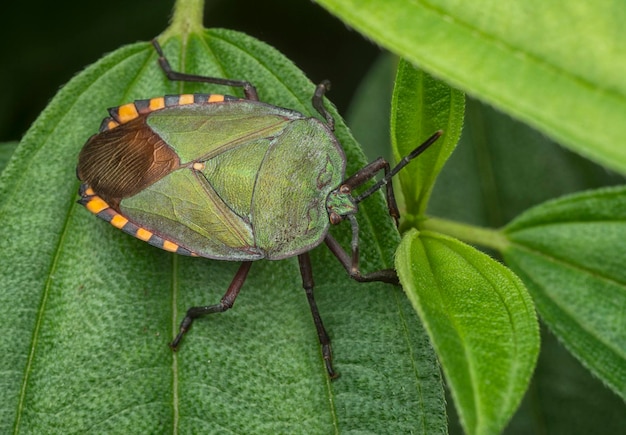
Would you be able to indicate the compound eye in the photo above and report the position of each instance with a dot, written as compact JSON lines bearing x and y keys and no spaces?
{"x":334,"y":218}
{"x":344,"y":188}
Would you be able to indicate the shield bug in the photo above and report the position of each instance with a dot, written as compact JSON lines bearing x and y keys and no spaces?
{"x":230,"y":179}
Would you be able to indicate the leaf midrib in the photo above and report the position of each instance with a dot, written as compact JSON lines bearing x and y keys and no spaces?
{"x":41,"y":310}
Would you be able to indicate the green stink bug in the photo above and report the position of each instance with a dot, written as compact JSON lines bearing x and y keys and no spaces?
{"x":230,"y":179}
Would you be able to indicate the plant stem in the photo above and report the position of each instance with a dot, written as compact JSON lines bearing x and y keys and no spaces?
{"x":187,"y":18}
{"x":486,"y":237}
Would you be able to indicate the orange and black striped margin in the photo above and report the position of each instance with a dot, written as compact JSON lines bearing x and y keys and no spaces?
{"x":101,"y":208}
{"x":127,"y":112}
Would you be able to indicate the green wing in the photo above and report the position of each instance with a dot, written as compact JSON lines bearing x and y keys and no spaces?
{"x":200,"y":132}
{"x":184,"y":208}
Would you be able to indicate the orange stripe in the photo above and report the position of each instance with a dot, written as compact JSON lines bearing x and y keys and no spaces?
{"x":185,"y":99}
{"x":143,"y":234}
{"x":157,"y":103}
{"x":118,"y":221}
{"x":96,"y":205}
{"x":127,"y":112}
{"x":213,"y":98}
{"x":112,"y":124}
{"x":169,"y":246}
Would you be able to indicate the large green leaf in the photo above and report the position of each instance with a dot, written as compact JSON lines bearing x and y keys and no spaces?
{"x":481,"y":321}
{"x":6,"y":151}
{"x":557,"y":65}
{"x":571,"y":253}
{"x":87,"y":311}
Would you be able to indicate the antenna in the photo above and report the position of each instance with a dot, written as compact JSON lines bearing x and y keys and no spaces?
{"x":405,"y":161}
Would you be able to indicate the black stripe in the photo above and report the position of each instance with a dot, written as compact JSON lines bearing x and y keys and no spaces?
{"x":143,"y":106}
{"x":171,"y":100}
{"x":131,"y":228}
{"x":106,"y":214}
{"x":201,"y":98}
{"x":156,"y":241}
{"x":183,"y":251}
{"x":115,"y":113}
{"x":104,"y":126}
{"x":82,"y":189}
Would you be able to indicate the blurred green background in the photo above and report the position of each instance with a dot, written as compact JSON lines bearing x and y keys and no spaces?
{"x":46,"y":43}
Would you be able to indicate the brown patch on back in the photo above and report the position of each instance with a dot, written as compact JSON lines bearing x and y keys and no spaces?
{"x":123,"y":161}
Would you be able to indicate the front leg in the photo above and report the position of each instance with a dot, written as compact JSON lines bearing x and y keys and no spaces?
{"x":351,"y":263}
{"x":307,"y":282}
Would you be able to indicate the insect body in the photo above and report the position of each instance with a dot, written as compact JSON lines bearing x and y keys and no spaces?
{"x":221,"y":180}
{"x":230,"y":179}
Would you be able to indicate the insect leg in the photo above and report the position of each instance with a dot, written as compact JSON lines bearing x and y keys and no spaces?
{"x":248,"y":89}
{"x":351,"y":262}
{"x":318,"y":103}
{"x":226,"y":303}
{"x":307,"y":282}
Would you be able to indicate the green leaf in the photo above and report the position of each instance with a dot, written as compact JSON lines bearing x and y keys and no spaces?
{"x":565,"y":398}
{"x":558,"y":66}
{"x":481,"y":321}
{"x":87,"y":311}
{"x":6,"y":150}
{"x":571,"y":253}
{"x":420,"y":106}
